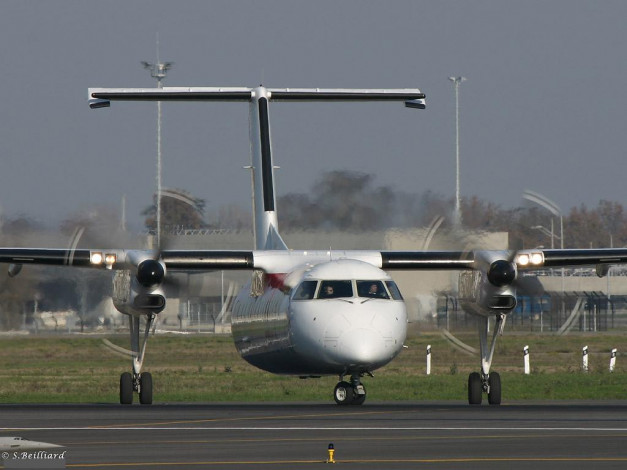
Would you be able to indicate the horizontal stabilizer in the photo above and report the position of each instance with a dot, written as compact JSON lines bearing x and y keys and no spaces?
{"x":345,"y":94}
{"x":101,"y":97}
{"x":98,"y":97}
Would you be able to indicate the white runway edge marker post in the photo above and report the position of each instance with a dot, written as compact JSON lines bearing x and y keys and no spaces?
{"x":526,"y":359}
{"x":613,"y":359}
{"x":584,"y":359}
{"x":429,"y":359}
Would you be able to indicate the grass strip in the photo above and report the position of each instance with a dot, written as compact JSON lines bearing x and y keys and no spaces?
{"x":206,"y":368}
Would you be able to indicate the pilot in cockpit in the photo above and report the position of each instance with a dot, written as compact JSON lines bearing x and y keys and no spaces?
{"x":327,"y":292}
{"x":373,"y":291}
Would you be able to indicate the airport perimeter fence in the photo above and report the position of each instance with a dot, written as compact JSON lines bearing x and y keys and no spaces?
{"x":548,"y":313}
{"x":197,"y":315}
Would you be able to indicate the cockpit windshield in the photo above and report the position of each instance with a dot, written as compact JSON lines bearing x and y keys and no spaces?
{"x":372,"y":289}
{"x":394,"y":290}
{"x":335,"y":289}
{"x":306,"y":290}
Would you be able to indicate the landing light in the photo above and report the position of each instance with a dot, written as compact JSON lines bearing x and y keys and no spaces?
{"x":527,"y":259}
{"x":537,"y":258}
{"x":109,"y":259}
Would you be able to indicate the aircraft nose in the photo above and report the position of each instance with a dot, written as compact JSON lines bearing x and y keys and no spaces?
{"x":364,"y":347}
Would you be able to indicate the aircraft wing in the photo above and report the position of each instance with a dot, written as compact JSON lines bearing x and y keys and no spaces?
{"x":212,"y":260}
{"x":583,"y":257}
{"x":46,"y":256}
{"x":285,"y":261}
{"x":183,"y":260}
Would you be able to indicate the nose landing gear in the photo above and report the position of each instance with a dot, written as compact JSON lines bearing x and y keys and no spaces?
{"x":353,"y":393}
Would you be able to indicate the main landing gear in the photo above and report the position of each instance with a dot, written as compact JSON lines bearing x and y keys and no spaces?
{"x":478,"y":385}
{"x":486,"y":382}
{"x":350,"y":393}
{"x":137,"y":381}
{"x":130,"y":383}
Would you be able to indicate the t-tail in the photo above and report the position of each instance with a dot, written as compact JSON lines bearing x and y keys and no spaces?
{"x":266,"y":228}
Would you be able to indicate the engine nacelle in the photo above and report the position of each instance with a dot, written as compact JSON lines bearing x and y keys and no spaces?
{"x":131,"y":297}
{"x":489,"y":288}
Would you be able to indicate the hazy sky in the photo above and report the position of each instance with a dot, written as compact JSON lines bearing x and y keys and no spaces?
{"x":543,"y":107}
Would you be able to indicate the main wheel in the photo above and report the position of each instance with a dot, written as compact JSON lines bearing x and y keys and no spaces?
{"x":475,"y":389}
{"x":126,"y":388}
{"x":494,"y":395}
{"x":145,"y":388}
{"x":344,"y":393}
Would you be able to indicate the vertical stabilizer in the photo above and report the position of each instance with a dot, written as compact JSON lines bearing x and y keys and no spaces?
{"x":264,"y":196}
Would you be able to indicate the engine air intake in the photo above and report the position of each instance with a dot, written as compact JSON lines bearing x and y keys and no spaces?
{"x":152,"y":302}
{"x":502,"y":302}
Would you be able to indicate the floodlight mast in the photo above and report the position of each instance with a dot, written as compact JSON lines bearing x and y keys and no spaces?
{"x":555,"y":210}
{"x":158,"y":71}
{"x":457,"y":214}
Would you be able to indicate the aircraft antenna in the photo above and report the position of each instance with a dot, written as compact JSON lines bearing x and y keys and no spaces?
{"x":158,"y":71}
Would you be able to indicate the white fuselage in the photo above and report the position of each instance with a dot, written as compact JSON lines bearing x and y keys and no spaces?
{"x":295,"y":327}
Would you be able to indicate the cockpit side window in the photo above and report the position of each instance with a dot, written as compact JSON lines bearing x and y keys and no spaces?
{"x":394,"y":290}
{"x":372,"y":289}
{"x":305,"y":291}
{"x":335,"y":289}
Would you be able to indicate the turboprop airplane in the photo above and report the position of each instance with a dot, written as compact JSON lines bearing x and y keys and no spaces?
{"x":306,"y":313}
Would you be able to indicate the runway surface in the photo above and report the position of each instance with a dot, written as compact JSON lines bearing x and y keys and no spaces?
{"x":443,"y":435}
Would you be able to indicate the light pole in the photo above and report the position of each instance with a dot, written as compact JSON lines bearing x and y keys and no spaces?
{"x":550,"y":206}
{"x":457,"y":214}
{"x":554,"y":209}
{"x":158,"y":71}
{"x":547,"y":232}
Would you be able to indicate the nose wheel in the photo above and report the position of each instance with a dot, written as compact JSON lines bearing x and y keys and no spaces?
{"x":346,"y":393}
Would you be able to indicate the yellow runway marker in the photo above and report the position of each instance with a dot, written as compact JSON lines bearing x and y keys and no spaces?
{"x":331,"y":458}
